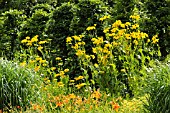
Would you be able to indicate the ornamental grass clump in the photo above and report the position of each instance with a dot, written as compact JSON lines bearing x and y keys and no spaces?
{"x":18,"y":86}
{"x":116,"y":61}
{"x":158,"y":88}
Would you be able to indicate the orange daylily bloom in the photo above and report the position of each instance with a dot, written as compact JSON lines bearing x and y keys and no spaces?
{"x":59,"y":104}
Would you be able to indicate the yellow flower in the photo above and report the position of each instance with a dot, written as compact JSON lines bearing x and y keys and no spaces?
{"x":42,"y":61}
{"x":57,"y":75}
{"x":29,"y":44}
{"x":37,"y":68}
{"x":108,"y":45}
{"x":57,"y":58}
{"x":60,"y":64}
{"x":127,"y":36}
{"x":148,"y":40}
{"x":27,"y":38}
{"x":76,"y":46}
{"x":133,"y":35}
{"x":121,"y":32}
{"x":83,"y":43}
{"x":115,"y":43}
{"x":94,"y":50}
{"x":66,"y":70}
{"x":97,"y":41}
{"x":68,"y":39}
{"x":90,"y":28}
{"x":135,"y":42}
{"x":72,"y":96}
{"x":92,"y":56}
{"x":87,"y":56}
{"x":31,"y":61}
{"x":78,"y":78}
{"x":53,"y":68}
{"x":38,"y":58}
{"x":122,"y":25}
{"x":24,"y":41}
{"x":62,"y":73}
{"x":116,"y":37}
{"x":103,"y":18}
{"x":117,"y":23}
{"x":42,"y":42}
{"x":135,"y":17}
{"x":23,"y":64}
{"x":40,"y":48}
{"x":60,"y":84}
{"x":96,"y":65}
{"x":114,"y":30}
{"x":127,"y":24}
{"x":80,"y":85}
{"x":80,"y":52}
{"x":35,"y":38}
{"x":154,"y":39}
{"x":106,"y":30}
{"x":72,"y":80}
{"x":76,"y":38}
{"x":135,"y":26}
{"x":44,"y":65}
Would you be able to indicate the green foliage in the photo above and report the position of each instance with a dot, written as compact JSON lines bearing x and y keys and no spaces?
{"x":122,"y":9}
{"x":158,"y":88}
{"x":36,"y":23}
{"x":11,"y":21}
{"x":18,"y":85}
{"x":158,"y":21}
{"x":88,"y":14}
{"x":120,"y":57}
{"x":159,"y":99}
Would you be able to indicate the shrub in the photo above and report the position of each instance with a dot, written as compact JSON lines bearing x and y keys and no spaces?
{"x":36,"y":23}
{"x":158,"y":21}
{"x":11,"y":21}
{"x":18,"y":87}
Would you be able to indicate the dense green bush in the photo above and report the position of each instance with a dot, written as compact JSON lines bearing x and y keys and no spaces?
{"x":36,"y":23}
{"x":10,"y":26}
{"x":58,"y":28}
{"x":18,"y":86}
{"x":158,"y":21}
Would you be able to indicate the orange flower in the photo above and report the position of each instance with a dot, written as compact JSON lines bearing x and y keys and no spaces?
{"x":37,"y":68}
{"x":115,"y":106}
{"x":35,"y":107}
{"x":59,"y":104}
{"x":18,"y":107}
{"x":72,"y":96}
{"x":96,"y":94}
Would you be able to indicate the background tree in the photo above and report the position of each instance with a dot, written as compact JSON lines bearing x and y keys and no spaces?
{"x":10,"y":27}
{"x":158,"y":22}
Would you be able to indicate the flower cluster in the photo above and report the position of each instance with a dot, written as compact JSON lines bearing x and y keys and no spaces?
{"x":116,"y":51}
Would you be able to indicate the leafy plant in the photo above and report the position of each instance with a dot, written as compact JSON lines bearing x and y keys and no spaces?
{"x":158,"y":87}
{"x":10,"y":27}
{"x":158,"y":21}
{"x":121,"y":55}
{"x":18,"y":85}
{"x":159,"y":99}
